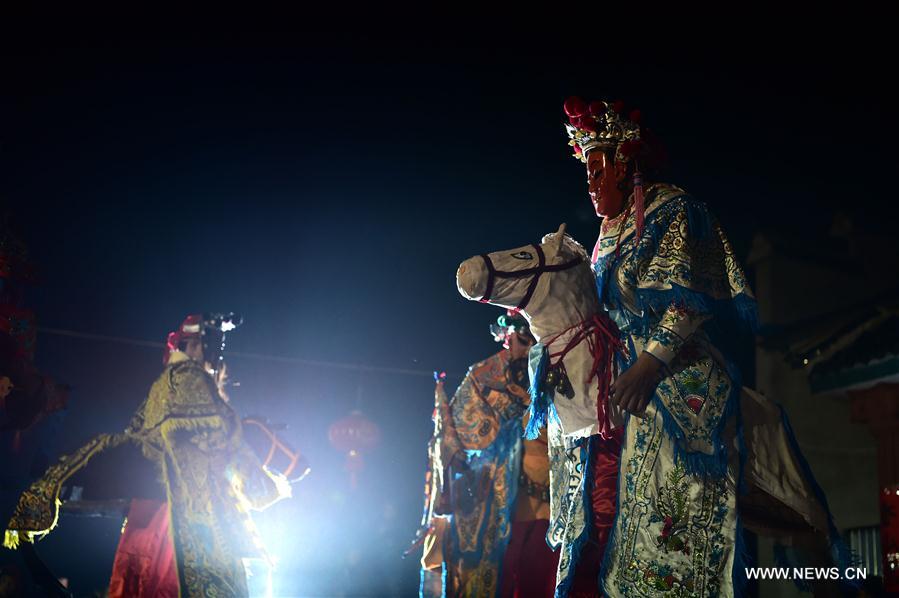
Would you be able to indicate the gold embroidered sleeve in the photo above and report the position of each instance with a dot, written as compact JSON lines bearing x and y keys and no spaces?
{"x":485,"y":401}
{"x":672,"y":331}
{"x":475,"y":421}
{"x":37,"y":510}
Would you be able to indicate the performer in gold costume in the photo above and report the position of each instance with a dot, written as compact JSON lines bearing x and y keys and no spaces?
{"x":211,"y":477}
{"x":487,"y":500}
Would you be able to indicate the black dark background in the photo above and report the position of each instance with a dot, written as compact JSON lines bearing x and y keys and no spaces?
{"x":327,"y":185}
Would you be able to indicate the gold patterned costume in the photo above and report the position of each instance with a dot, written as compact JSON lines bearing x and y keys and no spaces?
{"x":484,"y":479}
{"x":212,"y":480}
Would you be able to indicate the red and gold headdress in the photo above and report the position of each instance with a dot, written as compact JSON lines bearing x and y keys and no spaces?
{"x":602,"y":125}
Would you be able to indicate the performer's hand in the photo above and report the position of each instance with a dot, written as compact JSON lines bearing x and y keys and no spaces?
{"x":633,"y":389}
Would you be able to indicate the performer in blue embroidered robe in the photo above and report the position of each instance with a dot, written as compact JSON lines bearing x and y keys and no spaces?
{"x":668,"y":278}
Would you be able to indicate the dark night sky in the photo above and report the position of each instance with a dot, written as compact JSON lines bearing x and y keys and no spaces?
{"x":330,"y":188}
{"x":327,"y":186}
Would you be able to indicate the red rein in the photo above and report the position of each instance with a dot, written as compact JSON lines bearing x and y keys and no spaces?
{"x":602,"y":337}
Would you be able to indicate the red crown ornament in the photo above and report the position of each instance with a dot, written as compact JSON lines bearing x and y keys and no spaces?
{"x":601,"y":124}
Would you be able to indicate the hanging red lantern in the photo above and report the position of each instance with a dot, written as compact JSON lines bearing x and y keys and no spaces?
{"x":354,"y":435}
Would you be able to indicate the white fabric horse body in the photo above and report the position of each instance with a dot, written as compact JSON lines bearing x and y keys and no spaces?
{"x":553,"y":286}
{"x":555,"y":297}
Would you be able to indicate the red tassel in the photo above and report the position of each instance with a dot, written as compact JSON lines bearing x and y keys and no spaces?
{"x":604,"y":341}
{"x":638,"y":201}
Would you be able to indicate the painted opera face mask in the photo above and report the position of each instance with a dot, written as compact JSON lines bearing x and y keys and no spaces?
{"x":605,"y":183}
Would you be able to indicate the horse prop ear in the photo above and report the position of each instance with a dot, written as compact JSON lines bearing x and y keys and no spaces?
{"x":560,"y":238}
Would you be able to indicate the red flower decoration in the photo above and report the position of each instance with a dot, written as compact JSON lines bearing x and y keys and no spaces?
{"x":635,"y":116}
{"x":575,"y":107}
{"x":578,"y":150}
{"x":618,"y":106}
{"x":597,"y":108}
{"x":669,"y":580}
{"x":587,"y":124}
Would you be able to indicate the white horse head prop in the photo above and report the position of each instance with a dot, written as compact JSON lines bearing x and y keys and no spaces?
{"x":550,"y":283}
{"x":553,"y":287}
